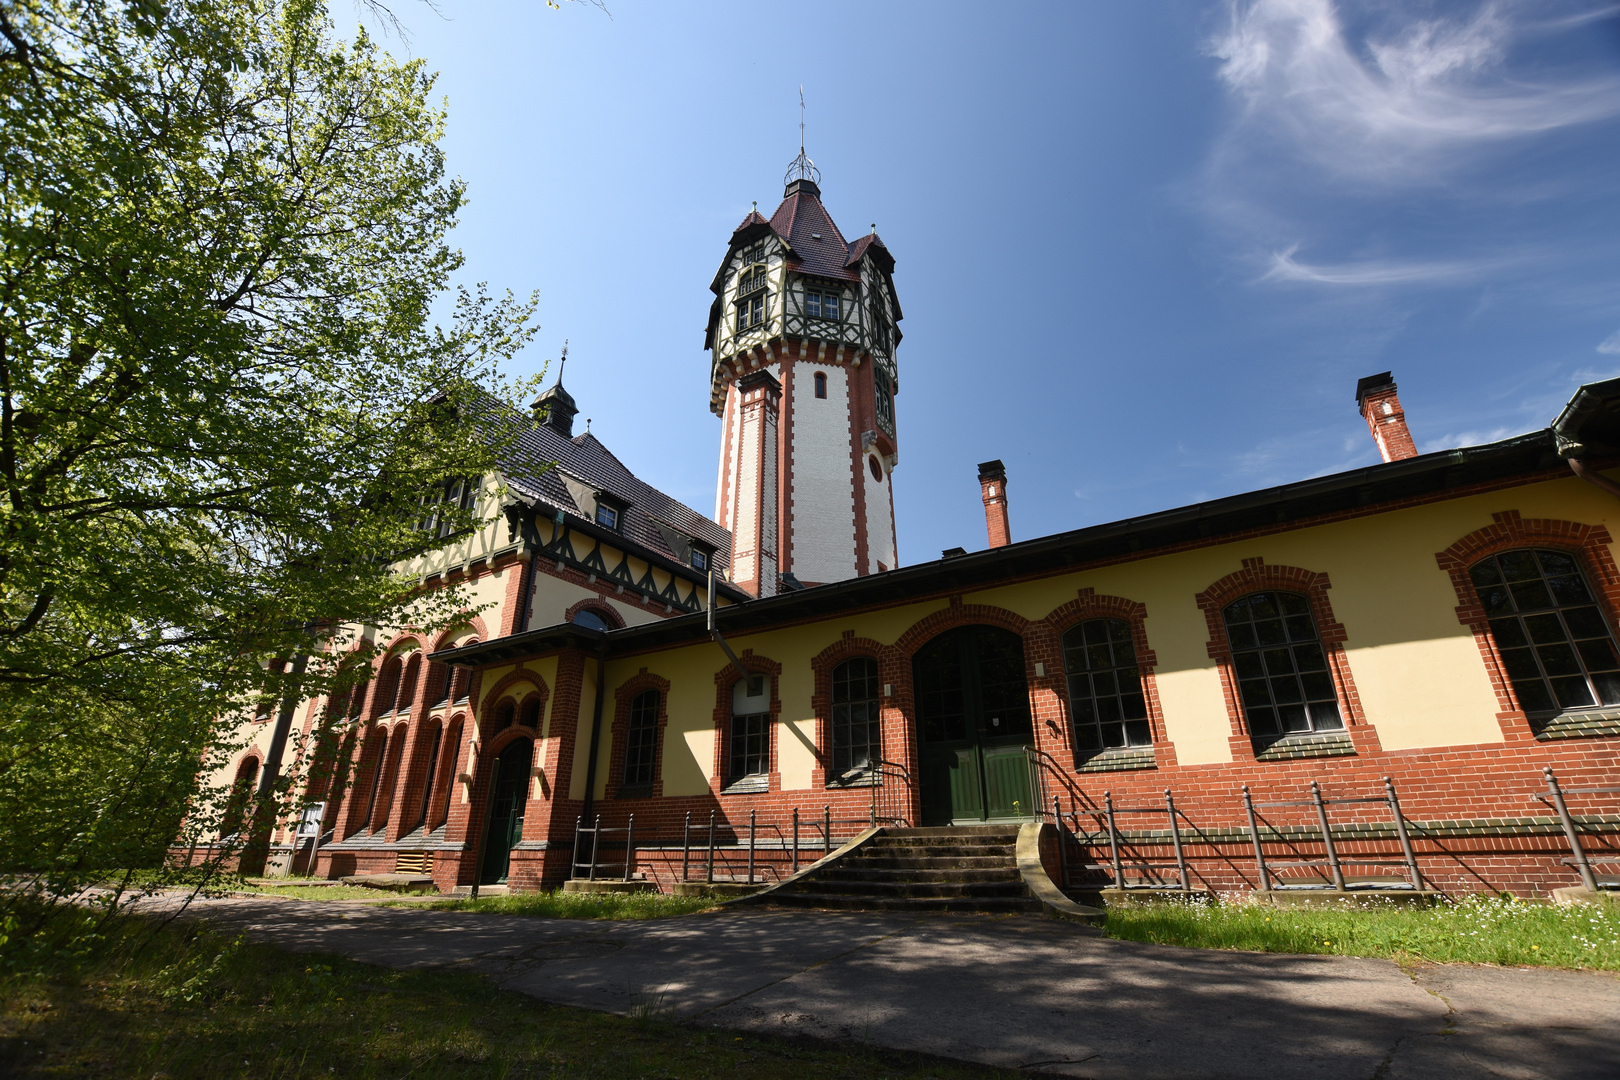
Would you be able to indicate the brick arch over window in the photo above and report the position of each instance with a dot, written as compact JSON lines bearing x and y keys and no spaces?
{"x":497,"y":693}
{"x":1257,"y":576}
{"x":597,"y":606}
{"x":1088,"y":605}
{"x":724,"y":680}
{"x":892,"y":672}
{"x":438,"y":809}
{"x":623,"y":695}
{"x":1589,"y":544}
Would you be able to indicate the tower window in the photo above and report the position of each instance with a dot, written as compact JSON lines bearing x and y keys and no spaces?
{"x":750,"y":311}
{"x":821,"y":305}
{"x":821,"y":384}
{"x":877,"y":470}
{"x":884,"y":392}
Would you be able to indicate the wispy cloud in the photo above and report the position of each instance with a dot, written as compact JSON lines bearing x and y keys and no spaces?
{"x":1610,"y":345}
{"x":1391,"y":108}
{"x":1284,"y":267}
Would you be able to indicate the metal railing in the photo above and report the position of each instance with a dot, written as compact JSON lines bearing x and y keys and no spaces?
{"x":596,"y":831}
{"x":1334,"y":863}
{"x":1579,"y":858}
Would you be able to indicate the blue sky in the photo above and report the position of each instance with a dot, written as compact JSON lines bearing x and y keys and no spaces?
{"x":1144,"y":249}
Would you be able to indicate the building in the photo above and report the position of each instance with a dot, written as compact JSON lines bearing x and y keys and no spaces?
{"x":1443,"y":620}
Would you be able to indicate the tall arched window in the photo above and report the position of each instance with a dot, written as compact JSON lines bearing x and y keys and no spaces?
{"x":357,"y":700}
{"x":438,"y":683}
{"x":1105,"y":686}
{"x":1555,"y":643}
{"x":821,"y":384}
{"x":452,"y":750}
{"x":857,"y":730}
{"x":432,"y":773}
{"x":461,"y":681}
{"x":407,"y":683}
{"x":529,"y":715}
{"x":379,"y":761}
{"x":236,"y":805}
{"x":387,"y":686}
{"x":505,"y":713}
{"x":750,"y":749}
{"x":1281,"y":667}
{"x":641,"y":742}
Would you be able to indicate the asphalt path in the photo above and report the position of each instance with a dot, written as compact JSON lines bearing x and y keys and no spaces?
{"x":1021,"y":991}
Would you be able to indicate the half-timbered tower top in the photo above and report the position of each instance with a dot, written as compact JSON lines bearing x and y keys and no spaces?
{"x":776,"y":276}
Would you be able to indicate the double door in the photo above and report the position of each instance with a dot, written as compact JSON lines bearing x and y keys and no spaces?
{"x":973,"y":722}
{"x":507,"y":802}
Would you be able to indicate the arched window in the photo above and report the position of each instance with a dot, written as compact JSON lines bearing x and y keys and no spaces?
{"x":452,"y":750}
{"x":821,"y":384}
{"x":505,"y":712}
{"x":387,"y":686}
{"x":857,"y":730}
{"x":379,"y":761}
{"x":357,"y":700}
{"x":750,"y":749}
{"x":1555,"y":643}
{"x":1106,"y":701}
{"x":407,"y":683}
{"x":438,"y":683}
{"x":1281,"y":667}
{"x":529,"y":715}
{"x":431,"y":770}
{"x":591,"y":619}
{"x":641,"y":742}
{"x":388,"y":779}
{"x":242,"y":790}
{"x":461,"y":680}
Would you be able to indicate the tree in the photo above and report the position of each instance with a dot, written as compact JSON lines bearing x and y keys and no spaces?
{"x":222,"y":392}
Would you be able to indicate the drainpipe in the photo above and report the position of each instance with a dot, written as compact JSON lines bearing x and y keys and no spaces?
{"x":1593,"y":477}
{"x":596,"y":730}
{"x":748,"y":677}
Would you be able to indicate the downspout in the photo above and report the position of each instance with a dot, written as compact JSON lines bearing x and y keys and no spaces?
{"x":1593,"y":477}
{"x":749,"y":677}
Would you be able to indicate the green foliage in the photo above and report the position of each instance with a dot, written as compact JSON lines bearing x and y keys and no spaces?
{"x":567,"y":905}
{"x":223,"y":393}
{"x":1478,"y":930}
{"x":256,"y":1011}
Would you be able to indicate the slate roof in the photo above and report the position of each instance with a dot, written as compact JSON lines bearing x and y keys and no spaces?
{"x":584,"y":458}
{"x":817,"y":245}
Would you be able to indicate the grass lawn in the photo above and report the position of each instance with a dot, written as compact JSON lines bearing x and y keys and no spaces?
{"x":564,"y":905}
{"x":1481,"y":930}
{"x":184,"y":1003}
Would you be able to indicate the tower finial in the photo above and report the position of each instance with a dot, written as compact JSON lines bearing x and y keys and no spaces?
{"x":563,"y":363}
{"x":802,"y":168}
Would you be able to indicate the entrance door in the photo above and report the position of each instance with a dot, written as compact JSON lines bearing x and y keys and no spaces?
{"x":505,"y":827}
{"x":973,"y":723}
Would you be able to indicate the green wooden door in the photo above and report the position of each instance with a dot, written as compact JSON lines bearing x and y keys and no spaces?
{"x":508,"y":801}
{"x":973,"y":722}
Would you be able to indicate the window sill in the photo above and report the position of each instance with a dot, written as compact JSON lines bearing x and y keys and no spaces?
{"x":1117,"y":759}
{"x":634,"y":791}
{"x":1578,"y":724}
{"x":1305,"y":745}
{"x":856,"y":778}
{"x":748,"y":785}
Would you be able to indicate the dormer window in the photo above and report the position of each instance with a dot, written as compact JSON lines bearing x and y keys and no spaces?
{"x":609,"y":512}
{"x":700,"y":559}
{"x":821,"y":304}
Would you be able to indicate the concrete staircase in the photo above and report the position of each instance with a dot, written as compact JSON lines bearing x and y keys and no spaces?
{"x":969,"y":868}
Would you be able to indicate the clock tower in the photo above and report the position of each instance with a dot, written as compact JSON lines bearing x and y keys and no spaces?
{"x":802,"y":337}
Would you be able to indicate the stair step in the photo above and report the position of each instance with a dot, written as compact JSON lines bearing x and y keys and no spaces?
{"x":955,"y":830}
{"x":918,"y":904}
{"x":939,"y":851}
{"x":949,"y":862}
{"x":872,"y":873}
{"x":878,"y":890}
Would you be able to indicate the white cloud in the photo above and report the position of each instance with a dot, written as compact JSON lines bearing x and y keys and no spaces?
{"x":1284,"y":267}
{"x":1610,"y":346}
{"x":1391,"y":108}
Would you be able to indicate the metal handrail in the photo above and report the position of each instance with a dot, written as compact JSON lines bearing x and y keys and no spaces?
{"x":1334,"y":862}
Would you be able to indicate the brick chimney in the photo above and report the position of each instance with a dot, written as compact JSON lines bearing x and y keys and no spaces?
{"x":993,"y":487}
{"x":1375,"y":397}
